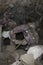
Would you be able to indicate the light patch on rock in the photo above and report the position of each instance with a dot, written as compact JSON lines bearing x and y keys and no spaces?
{"x":37,"y":51}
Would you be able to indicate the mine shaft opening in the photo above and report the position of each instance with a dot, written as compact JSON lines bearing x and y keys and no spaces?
{"x":19,"y":36}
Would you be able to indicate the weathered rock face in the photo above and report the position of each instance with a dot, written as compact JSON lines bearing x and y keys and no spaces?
{"x":27,"y":59}
{"x":22,"y":2}
{"x":4,"y":1}
{"x":36,"y":49}
{"x":24,"y":34}
{"x":24,"y":11}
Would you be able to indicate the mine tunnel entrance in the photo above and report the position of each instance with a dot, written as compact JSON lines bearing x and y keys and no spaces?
{"x":19,"y":36}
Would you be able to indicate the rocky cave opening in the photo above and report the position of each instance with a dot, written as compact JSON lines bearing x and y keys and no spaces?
{"x":19,"y":36}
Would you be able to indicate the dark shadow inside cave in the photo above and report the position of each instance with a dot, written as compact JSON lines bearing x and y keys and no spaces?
{"x":19,"y":36}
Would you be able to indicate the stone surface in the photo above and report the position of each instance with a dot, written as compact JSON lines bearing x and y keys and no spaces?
{"x":37,"y":51}
{"x":0,"y":38}
{"x":27,"y":59}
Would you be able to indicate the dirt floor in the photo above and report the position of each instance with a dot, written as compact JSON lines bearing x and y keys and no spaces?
{"x":9,"y":55}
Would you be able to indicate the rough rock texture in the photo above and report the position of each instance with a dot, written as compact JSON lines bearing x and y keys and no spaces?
{"x":27,"y":59}
{"x":24,"y":11}
{"x":30,"y":36}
